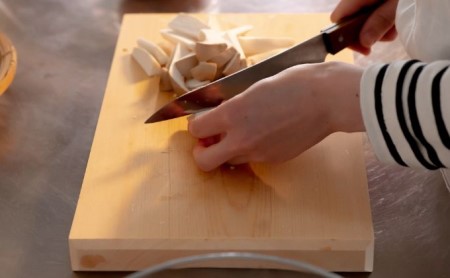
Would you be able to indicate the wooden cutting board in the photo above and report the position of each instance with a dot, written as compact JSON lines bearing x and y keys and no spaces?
{"x":144,"y":201}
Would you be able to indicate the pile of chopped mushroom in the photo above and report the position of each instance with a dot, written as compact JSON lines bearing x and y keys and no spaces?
{"x":199,"y":54}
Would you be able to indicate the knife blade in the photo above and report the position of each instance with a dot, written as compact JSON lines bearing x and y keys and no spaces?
{"x":314,"y":50}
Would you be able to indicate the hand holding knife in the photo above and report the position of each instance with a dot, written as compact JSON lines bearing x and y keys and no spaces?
{"x":331,"y":40}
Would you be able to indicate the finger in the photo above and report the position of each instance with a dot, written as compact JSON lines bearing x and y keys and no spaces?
{"x":380,"y":22}
{"x":208,"y":141}
{"x":349,"y":7}
{"x":211,"y":157}
{"x":206,"y":124}
{"x":361,"y":49}
{"x":238,"y":160}
{"x":390,"y":35}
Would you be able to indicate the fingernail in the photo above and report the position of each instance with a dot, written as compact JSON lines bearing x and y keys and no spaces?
{"x":190,"y":117}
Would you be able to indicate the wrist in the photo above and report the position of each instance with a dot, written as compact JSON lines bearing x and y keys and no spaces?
{"x":342,"y":97}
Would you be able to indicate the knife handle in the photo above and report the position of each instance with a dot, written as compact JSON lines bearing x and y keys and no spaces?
{"x":346,"y":32}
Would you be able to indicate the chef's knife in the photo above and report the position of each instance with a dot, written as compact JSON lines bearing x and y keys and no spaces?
{"x":330,"y":40}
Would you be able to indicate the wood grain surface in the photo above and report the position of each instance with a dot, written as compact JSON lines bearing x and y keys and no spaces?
{"x":144,"y":201}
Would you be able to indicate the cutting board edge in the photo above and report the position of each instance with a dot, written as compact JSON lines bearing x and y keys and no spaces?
{"x":346,"y":256}
{"x":214,"y":243}
{"x":131,"y":260}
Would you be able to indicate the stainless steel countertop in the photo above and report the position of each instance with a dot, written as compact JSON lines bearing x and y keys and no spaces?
{"x":47,"y":123}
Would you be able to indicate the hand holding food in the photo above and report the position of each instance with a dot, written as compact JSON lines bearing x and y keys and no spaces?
{"x":279,"y":117}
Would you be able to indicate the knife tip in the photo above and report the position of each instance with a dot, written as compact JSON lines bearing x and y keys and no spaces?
{"x":150,"y":121}
{"x":157,"y":117}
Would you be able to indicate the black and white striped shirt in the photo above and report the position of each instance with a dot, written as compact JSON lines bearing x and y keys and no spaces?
{"x":407,"y":112}
{"x":406,"y":104}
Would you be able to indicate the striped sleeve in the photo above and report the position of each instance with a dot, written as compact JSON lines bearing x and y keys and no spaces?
{"x":406,"y":112}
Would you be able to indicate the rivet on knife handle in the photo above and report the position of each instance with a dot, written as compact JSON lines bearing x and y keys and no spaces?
{"x":346,"y":32}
